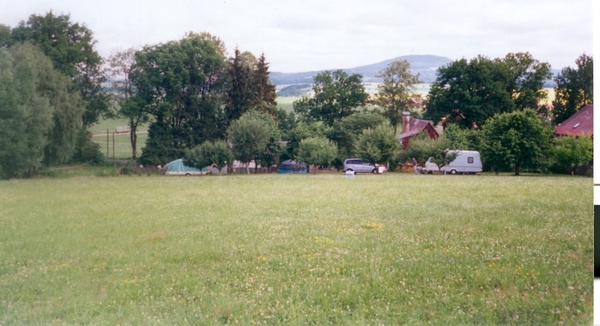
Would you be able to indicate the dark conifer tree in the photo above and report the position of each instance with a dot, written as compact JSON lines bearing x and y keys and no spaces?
{"x":265,"y":93}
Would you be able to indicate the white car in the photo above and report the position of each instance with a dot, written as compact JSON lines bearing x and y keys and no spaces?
{"x":430,"y":166}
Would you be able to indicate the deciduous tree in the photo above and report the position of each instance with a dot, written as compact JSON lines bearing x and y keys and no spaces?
{"x":208,"y":153}
{"x":70,"y":46}
{"x":396,"y":90}
{"x":336,"y":95}
{"x":25,"y":115}
{"x":130,"y":106}
{"x":179,"y":84}
{"x":570,"y":152}
{"x":574,"y":88}
{"x":317,"y":151}
{"x":515,"y":141}
{"x":468,"y":93}
{"x":250,"y":135}
{"x":378,"y":145}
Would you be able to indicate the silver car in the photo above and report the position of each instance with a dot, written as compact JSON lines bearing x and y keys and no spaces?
{"x":357,"y":165}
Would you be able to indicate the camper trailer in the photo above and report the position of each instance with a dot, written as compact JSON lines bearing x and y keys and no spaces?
{"x":464,"y":162}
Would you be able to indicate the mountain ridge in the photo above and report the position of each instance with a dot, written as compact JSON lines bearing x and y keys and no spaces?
{"x":425,"y":65}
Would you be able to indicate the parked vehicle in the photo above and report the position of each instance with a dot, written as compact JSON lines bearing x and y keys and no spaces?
{"x":291,"y":166}
{"x":464,"y":162}
{"x":357,"y":165}
{"x":430,"y":167}
{"x":178,"y":168}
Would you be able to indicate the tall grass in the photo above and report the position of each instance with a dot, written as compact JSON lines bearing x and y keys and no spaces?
{"x":296,"y":249}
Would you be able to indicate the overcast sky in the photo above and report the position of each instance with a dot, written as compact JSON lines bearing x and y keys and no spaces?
{"x":315,"y":35}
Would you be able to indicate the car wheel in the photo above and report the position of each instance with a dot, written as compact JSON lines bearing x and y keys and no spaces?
{"x":187,"y":174}
{"x":453,"y":171}
{"x":374,"y":171}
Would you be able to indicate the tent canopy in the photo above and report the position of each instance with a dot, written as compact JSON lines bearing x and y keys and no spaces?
{"x":291,"y":166}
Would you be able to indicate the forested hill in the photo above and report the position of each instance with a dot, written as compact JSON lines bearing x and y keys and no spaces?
{"x":425,"y":65}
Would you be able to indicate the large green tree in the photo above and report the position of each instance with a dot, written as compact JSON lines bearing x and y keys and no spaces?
{"x":179,"y":83}
{"x":336,"y":95}
{"x":25,"y":114}
{"x":265,"y":94}
{"x":574,"y":88}
{"x":345,"y":132}
{"x":248,"y":86}
{"x":317,"y":151}
{"x":67,"y":107}
{"x":70,"y":46}
{"x":129,"y":105}
{"x":468,"y":93}
{"x":570,"y":152}
{"x":239,"y":94}
{"x":250,"y":135}
{"x":208,"y":153}
{"x":396,"y":90}
{"x":515,"y":141}
{"x":378,"y":145}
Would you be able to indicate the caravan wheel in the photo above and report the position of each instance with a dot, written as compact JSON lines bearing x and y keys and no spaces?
{"x":453,"y":172}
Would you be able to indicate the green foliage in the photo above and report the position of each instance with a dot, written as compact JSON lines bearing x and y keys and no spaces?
{"x":422,"y":147}
{"x":130,"y":106}
{"x":317,"y":151}
{"x":25,"y":114}
{"x":286,"y":122}
{"x":345,"y":132}
{"x":302,"y":131}
{"x":336,"y":95}
{"x":515,"y":141}
{"x":159,"y":147}
{"x":571,"y":152}
{"x":574,"y":88}
{"x":265,"y":94}
{"x":67,"y":107}
{"x":178,"y":83}
{"x":462,"y":139}
{"x":250,"y":135}
{"x":240,"y":85}
{"x":248,"y":86}
{"x":468,"y":93}
{"x":378,"y":145}
{"x":86,"y":150}
{"x":70,"y":46}
{"x":208,"y":153}
{"x":396,"y":91}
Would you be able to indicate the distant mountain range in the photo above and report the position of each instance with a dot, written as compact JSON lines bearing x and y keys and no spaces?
{"x":424,"y":65}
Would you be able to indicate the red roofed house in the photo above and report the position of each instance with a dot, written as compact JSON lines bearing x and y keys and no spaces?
{"x":413,"y":127}
{"x":579,"y":124}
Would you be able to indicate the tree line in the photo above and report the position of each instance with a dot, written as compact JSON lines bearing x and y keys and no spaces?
{"x":210,"y":108}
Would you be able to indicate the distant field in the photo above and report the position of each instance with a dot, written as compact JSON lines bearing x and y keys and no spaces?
{"x":286,"y":103}
{"x":389,"y":249}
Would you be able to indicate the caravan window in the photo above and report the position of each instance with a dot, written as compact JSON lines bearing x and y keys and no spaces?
{"x":470,"y":160}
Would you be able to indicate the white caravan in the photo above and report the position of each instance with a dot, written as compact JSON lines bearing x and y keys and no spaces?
{"x":464,"y":162}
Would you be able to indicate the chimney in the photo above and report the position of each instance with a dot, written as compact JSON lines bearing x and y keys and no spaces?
{"x":405,"y":121}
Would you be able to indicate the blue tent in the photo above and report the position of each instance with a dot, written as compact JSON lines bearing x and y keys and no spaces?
{"x":291,"y":166}
{"x":178,"y":168}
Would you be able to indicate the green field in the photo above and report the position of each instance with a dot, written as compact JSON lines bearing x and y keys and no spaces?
{"x":296,"y":249}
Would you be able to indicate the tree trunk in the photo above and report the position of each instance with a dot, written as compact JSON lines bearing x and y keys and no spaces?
{"x":133,"y":139}
{"x":517,"y":170}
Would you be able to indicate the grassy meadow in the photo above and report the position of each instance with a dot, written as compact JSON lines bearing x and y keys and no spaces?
{"x":386,"y":249}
